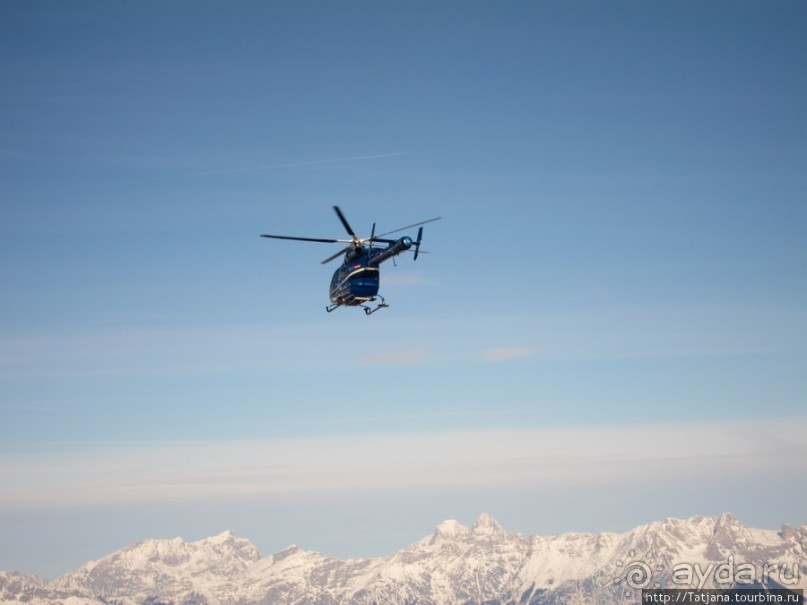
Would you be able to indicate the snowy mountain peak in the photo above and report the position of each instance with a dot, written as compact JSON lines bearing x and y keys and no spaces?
{"x":455,"y":565}
{"x":452,"y":530}
{"x":487,"y":525}
{"x":143,"y":566}
{"x":449,"y":530}
{"x":225,"y":536}
{"x":228,"y":543}
{"x":287,"y":552}
{"x":787,"y":532}
{"x":727,"y":520}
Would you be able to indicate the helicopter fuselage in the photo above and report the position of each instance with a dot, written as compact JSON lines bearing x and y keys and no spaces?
{"x":357,"y":280}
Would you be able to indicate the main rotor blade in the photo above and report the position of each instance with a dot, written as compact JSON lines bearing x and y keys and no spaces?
{"x":330,"y":258}
{"x":348,"y":228}
{"x":431,"y":220}
{"x":305,"y":239}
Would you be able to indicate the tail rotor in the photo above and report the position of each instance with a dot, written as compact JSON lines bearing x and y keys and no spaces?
{"x":417,"y":243}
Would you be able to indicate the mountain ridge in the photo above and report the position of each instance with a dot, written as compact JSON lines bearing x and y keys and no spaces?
{"x":455,"y":564}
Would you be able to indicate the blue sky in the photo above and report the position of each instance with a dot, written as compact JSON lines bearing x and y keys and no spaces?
{"x":614,"y":302}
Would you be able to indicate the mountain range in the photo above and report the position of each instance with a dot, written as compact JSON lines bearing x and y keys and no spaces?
{"x":456,"y":564}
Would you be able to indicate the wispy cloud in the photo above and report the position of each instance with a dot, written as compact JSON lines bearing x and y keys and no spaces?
{"x":260,"y":167}
{"x":404,"y":356}
{"x":150,"y":351}
{"x":499,"y":354}
{"x":493,"y":459}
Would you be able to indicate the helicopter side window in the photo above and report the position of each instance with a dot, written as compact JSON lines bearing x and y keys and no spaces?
{"x":366,"y":273}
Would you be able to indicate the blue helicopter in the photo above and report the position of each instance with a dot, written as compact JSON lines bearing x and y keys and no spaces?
{"x":356,"y":282}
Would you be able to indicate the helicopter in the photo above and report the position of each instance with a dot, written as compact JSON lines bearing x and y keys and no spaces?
{"x":355,"y":283}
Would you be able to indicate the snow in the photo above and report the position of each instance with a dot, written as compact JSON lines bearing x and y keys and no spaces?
{"x":449,"y":530}
{"x":455,"y":564}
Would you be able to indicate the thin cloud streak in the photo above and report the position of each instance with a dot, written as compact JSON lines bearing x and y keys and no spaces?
{"x":491,"y":459}
{"x":151,"y":351}
{"x":259,"y":168}
{"x":647,"y":333}
{"x":499,"y":354}
{"x":405,"y":356}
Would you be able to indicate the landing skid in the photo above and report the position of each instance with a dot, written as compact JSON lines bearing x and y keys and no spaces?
{"x":367,"y":310}
{"x":380,"y":305}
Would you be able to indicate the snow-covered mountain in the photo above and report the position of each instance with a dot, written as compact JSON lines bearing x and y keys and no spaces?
{"x":456,"y":564}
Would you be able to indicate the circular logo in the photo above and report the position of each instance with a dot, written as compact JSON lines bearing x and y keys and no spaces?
{"x":635,"y":574}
